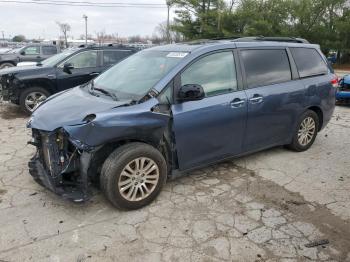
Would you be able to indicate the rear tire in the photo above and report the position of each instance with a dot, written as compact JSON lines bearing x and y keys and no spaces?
{"x":306,"y":132}
{"x":133,"y":175}
{"x":6,"y":65}
{"x":31,"y":97}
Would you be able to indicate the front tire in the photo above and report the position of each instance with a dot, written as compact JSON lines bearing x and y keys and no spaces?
{"x":133,"y":175}
{"x":31,"y":98}
{"x":306,"y":131}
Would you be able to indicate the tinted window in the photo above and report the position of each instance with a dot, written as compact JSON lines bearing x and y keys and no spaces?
{"x":49,"y":50}
{"x":266,"y":67}
{"x":216,"y":73}
{"x":32,"y":50}
{"x":84,"y":59}
{"x":308,"y":61}
{"x":113,"y":57}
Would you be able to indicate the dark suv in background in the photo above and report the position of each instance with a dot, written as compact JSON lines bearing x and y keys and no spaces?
{"x":169,"y":109}
{"x":29,"y":53}
{"x":28,"y":86}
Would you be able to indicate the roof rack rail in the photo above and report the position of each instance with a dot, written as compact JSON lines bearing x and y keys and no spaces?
{"x":271,"y":38}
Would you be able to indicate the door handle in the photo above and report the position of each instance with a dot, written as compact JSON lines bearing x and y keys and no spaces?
{"x":94,"y":74}
{"x":237,"y":103}
{"x":256,"y":99}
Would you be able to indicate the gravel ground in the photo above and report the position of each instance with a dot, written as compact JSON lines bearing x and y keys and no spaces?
{"x":263,"y":207}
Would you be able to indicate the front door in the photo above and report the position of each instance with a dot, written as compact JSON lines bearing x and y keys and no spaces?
{"x":275,"y":101}
{"x":212,"y":128}
{"x":85,"y":67}
{"x":30,"y":54}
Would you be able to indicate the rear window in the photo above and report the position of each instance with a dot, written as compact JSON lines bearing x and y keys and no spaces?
{"x":309,"y":62}
{"x":111,"y":57}
{"x":266,"y":66}
{"x":49,"y":50}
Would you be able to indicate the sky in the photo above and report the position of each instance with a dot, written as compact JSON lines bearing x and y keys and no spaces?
{"x":34,"y":20}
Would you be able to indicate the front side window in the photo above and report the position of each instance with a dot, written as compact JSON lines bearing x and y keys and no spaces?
{"x":32,"y":50}
{"x":84,"y":60}
{"x":266,"y":66}
{"x":113,"y":57}
{"x":49,"y":50}
{"x":308,"y":61}
{"x":216,"y":73}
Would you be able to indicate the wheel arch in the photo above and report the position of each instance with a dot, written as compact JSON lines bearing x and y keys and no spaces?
{"x":100,"y":156}
{"x":8,"y":62}
{"x":319,"y":113}
{"x":40,"y":82}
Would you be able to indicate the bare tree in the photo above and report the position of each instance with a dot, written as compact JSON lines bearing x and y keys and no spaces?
{"x":65,"y":28}
{"x":161,"y":31}
{"x":101,"y":36}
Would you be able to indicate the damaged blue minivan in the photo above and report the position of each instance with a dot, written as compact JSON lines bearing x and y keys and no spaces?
{"x":170,"y":109}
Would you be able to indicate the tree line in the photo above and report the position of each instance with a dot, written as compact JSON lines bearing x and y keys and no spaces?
{"x":325,"y":22}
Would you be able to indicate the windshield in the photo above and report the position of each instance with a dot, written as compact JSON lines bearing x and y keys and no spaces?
{"x":53,"y":60}
{"x":136,"y":75}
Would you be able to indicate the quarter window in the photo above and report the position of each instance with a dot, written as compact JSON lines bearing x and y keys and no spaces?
{"x":309,"y":62}
{"x":84,"y":59}
{"x":113,"y":57}
{"x":216,"y":73}
{"x":266,"y":67}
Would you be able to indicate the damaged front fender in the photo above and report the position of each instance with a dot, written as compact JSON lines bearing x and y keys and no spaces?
{"x":137,"y":122}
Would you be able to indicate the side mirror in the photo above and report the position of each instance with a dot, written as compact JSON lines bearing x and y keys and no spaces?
{"x":23,"y":53}
{"x":67,"y":67}
{"x":191,"y":92}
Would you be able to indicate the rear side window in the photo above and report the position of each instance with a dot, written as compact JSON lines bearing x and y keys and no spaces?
{"x":49,"y":50}
{"x":111,"y":57}
{"x":266,"y":66}
{"x":309,"y":62}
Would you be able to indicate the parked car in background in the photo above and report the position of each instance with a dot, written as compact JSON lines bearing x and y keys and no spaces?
{"x":170,"y":109}
{"x":28,"y":86}
{"x":343,"y":94}
{"x":30,"y":53}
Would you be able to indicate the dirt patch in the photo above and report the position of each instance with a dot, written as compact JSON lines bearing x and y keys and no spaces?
{"x":2,"y":192}
{"x":9,"y":111}
{"x":336,"y":230}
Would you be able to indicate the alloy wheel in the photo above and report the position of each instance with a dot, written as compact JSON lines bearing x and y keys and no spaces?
{"x":138,"y":179}
{"x":306,"y":131}
{"x":33,"y":100}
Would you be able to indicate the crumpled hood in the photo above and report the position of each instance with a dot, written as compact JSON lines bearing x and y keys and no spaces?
{"x":69,"y":108}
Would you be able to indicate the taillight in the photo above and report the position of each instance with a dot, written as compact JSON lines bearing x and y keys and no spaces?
{"x":335,"y":81}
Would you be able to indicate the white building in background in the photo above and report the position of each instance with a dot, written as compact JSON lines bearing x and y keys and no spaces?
{"x":71,"y":42}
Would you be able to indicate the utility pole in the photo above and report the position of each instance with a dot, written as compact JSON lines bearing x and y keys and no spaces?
{"x":85,"y":17}
{"x":3,"y":35}
{"x":168,"y":2}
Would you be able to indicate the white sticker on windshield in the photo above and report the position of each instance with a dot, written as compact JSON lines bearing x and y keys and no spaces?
{"x":177,"y":54}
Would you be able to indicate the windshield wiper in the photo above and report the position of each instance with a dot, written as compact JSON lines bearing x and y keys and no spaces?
{"x":104,"y":91}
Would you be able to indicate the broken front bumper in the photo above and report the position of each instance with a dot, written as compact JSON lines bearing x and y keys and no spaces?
{"x":60,"y":167}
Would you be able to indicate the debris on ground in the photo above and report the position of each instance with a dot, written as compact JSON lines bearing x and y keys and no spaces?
{"x":317,"y":243}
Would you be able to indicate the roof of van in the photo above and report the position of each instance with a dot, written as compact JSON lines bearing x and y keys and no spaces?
{"x":233,"y":43}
